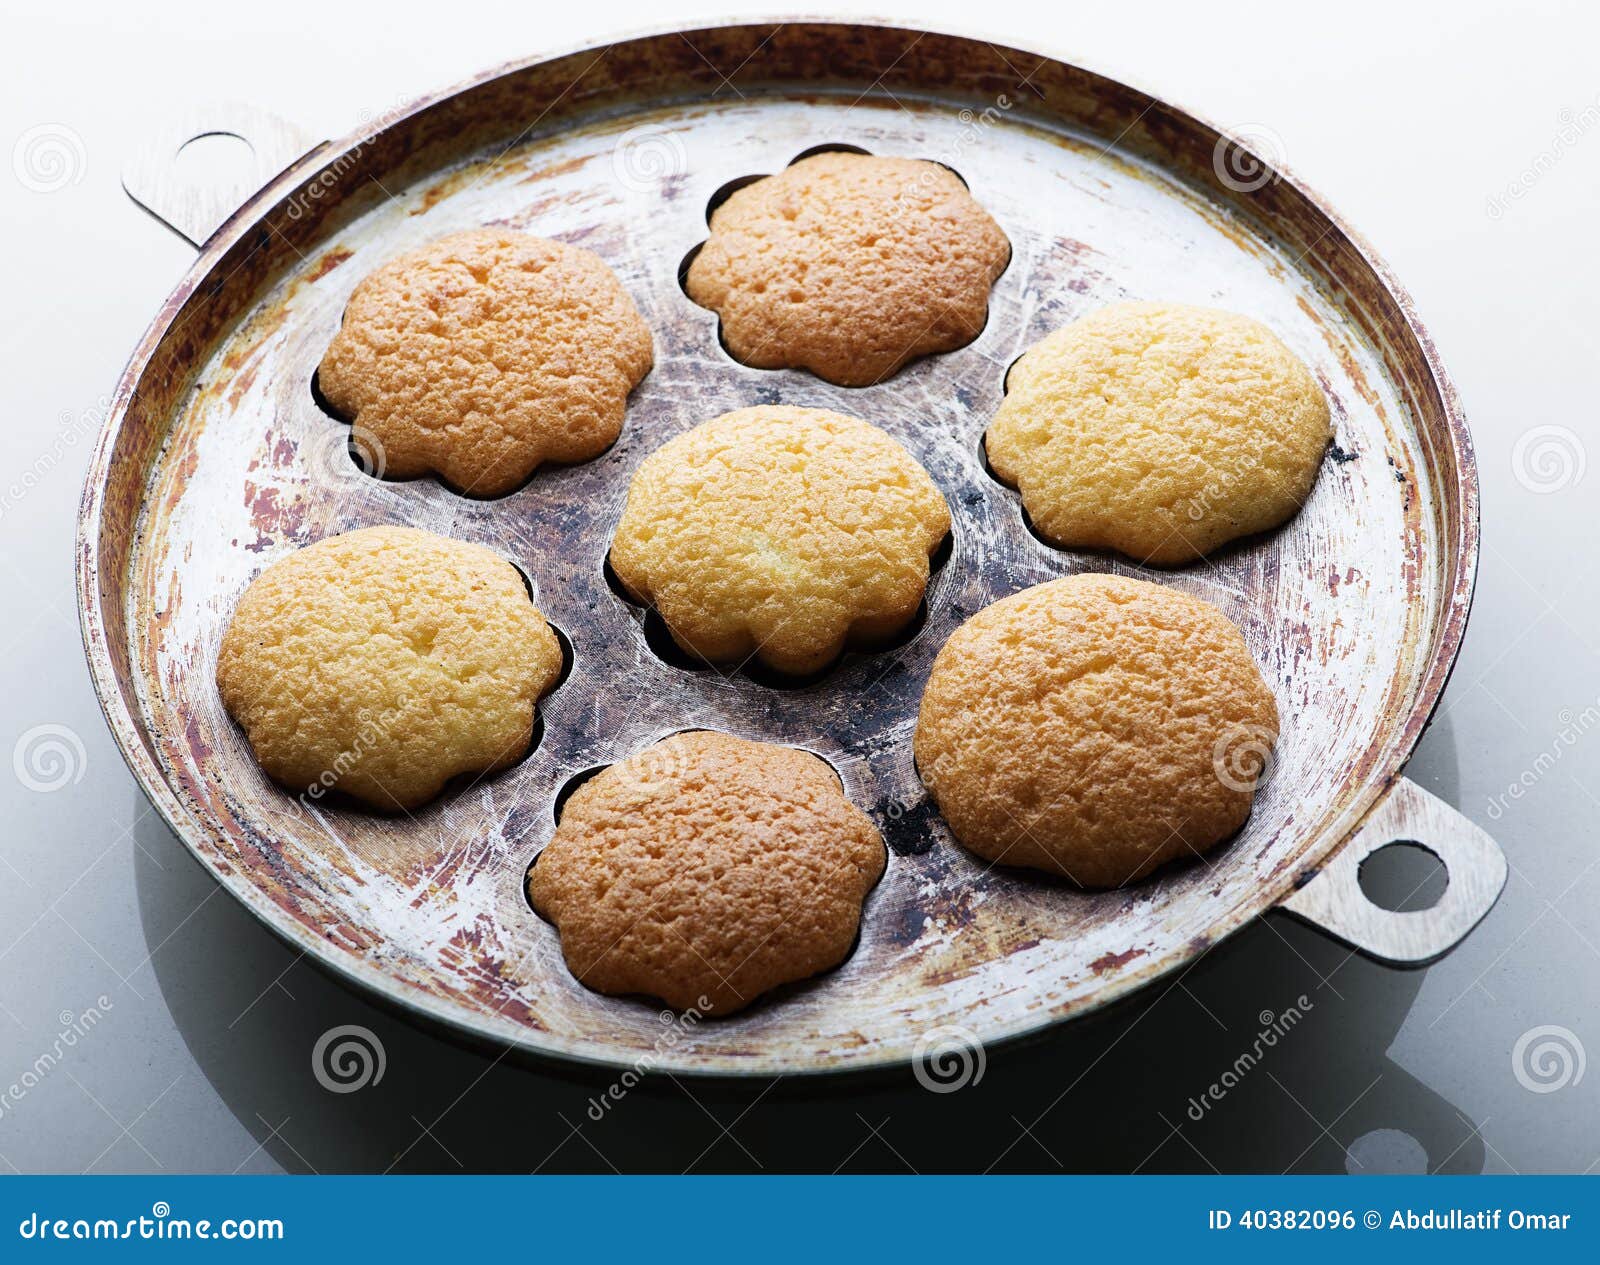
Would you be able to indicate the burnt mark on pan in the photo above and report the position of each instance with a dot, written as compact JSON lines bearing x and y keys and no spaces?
{"x":910,"y":829}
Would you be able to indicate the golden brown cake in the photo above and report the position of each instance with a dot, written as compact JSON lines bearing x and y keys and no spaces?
{"x":849,"y":265}
{"x":707,"y":870}
{"x":484,"y":354}
{"x":1095,"y":727}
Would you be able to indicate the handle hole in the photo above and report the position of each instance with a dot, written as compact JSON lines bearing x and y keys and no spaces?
{"x":215,"y":159}
{"x":1404,"y":877}
{"x":1385,"y":1151}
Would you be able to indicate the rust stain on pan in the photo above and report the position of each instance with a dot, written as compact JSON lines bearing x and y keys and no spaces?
{"x":1107,"y":962}
{"x":216,"y":460}
{"x":327,"y":263}
{"x":564,"y":167}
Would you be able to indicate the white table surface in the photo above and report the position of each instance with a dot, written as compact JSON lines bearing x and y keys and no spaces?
{"x":1464,"y":140}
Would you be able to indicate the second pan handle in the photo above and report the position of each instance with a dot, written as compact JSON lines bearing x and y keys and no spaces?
{"x":1475,"y":873}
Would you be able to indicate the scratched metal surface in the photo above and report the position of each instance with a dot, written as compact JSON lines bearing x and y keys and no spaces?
{"x":223,"y":462}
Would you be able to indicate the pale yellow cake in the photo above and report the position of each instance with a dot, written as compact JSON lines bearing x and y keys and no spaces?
{"x":385,"y":661}
{"x":1160,"y":431}
{"x":780,"y":534}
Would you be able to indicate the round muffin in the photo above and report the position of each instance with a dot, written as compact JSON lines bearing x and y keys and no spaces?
{"x":707,"y":870}
{"x":780,"y":533}
{"x":385,"y":661}
{"x":1160,"y":431}
{"x":849,"y":265}
{"x":482,"y":355}
{"x":1095,"y":727}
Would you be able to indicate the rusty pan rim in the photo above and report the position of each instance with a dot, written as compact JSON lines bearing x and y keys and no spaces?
{"x":1454,"y":588}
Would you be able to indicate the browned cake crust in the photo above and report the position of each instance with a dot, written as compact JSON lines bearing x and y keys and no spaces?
{"x":385,"y":661}
{"x":1095,"y":727}
{"x":849,"y":265}
{"x":484,"y":354}
{"x":706,"y":870}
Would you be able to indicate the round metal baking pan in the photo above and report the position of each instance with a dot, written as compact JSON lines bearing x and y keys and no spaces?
{"x":216,"y":459}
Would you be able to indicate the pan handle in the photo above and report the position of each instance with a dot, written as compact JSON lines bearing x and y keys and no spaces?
{"x":1333,"y":902}
{"x":196,"y":209}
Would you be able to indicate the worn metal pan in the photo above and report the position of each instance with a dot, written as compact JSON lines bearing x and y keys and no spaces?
{"x":216,"y":459}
